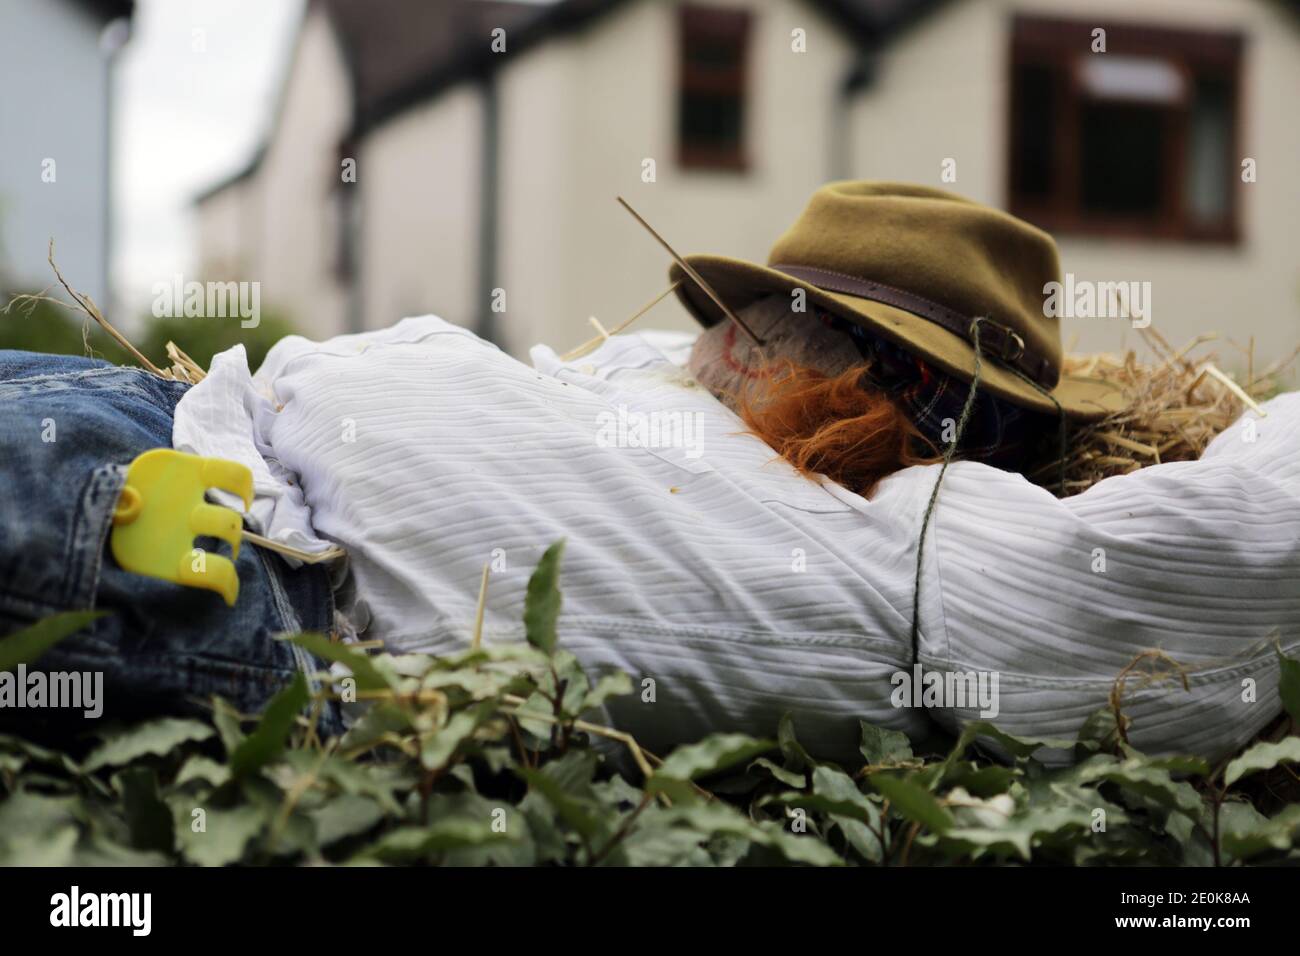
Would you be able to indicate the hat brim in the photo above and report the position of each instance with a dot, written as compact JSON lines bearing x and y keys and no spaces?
{"x":738,"y":283}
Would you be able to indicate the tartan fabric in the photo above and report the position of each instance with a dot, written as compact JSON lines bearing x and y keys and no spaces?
{"x":998,"y":432}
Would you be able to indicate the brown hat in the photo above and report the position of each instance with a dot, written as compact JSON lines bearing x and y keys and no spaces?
{"x":917,"y":266}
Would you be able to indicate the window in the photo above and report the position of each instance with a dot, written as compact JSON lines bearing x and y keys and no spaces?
{"x":711,"y":88}
{"x":1139,"y":140}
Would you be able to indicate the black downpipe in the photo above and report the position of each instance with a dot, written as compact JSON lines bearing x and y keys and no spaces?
{"x":489,"y":211}
{"x":859,"y":76}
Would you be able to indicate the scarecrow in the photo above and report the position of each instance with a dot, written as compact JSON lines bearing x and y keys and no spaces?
{"x":889,"y":508}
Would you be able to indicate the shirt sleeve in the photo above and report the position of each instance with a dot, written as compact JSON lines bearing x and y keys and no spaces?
{"x":217,"y":418}
{"x":1198,"y":561}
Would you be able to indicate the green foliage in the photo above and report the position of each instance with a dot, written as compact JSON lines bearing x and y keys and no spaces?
{"x":1263,"y":756}
{"x":30,"y":643}
{"x":267,"y":742}
{"x":487,"y":758}
{"x":201,"y":337}
{"x":126,"y":745}
{"x":542,"y":602}
{"x":713,"y":754}
{"x":46,"y":327}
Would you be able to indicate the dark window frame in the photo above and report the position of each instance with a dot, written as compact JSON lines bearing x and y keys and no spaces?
{"x":1059,"y":44}
{"x":721,"y":27}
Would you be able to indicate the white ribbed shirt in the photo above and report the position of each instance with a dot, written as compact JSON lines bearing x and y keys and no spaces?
{"x":697,"y":560}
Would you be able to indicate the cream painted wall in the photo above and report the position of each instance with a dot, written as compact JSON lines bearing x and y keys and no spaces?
{"x":916,"y":115}
{"x":226,"y":231}
{"x":580,"y":117}
{"x":420,"y":176}
{"x":296,"y":230}
{"x":937,"y":94}
{"x":580,"y":114}
{"x":538,"y":182}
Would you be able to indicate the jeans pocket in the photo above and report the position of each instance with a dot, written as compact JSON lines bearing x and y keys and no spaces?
{"x":67,"y":439}
{"x":52,"y":546}
{"x":90,"y":529}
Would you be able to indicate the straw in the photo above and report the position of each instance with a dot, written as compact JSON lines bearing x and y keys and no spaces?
{"x":1180,"y":400}
{"x":698,"y":279}
{"x":592,"y":344}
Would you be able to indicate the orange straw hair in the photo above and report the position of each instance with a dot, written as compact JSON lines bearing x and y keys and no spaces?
{"x":832,"y":425}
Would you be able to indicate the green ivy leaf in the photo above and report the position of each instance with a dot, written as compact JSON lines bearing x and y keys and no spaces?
{"x":445,"y":834}
{"x":225,"y":833}
{"x":375,"y":723}
{"x":881,"y":746}
{"x":345,"y":816}
{"x":34,"y":817}
{"x":796,"y":758}
{"x":1246,"y":832}
{"x":1141,"y":775}
{"x":367,"y":676}
{"x":577,"y":807}
{"x":97,"y":850}
{"x":56,"y":848}
{"x":985,"y":780}
{"x":148,"y":818}
{"x":381,"y":782}
{"x":443,"y":743}
{"x":1016,"y":746}
{"x":836,"y":785}
{"x":787,"y":777}
{"x":202,"y":768}
{"x":1262,"y":756}
{"x":574,"y":771}
{"x":912,"y":801}
{"x":1016,"y":833}
{"x":1099,"y":732}
{"x":542,"y":600}
{"x":713,"y":754}
{"x":26,"y":646}
{"x":1181,"y":764}
{"x":835,"y":794}
{"x":152,"y":738}
{"x":719,"y":820}
{"x":267,"y":742}
{"x":574,"y":681}
{"x":654,"y":844}
{"x":228,"y":723}
{"x":859,"y":826}
{"x":610,"y":685}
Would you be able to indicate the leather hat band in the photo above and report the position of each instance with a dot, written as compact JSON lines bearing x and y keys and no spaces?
{"x":996,"y":340}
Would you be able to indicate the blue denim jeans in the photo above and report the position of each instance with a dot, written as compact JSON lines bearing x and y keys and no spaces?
{"x":69,"y":427}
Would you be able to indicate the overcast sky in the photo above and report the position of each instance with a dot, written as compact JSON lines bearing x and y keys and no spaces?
{"x":196,"y":86}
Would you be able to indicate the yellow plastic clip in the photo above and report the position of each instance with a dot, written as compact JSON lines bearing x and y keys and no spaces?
{"x":162,"y":509}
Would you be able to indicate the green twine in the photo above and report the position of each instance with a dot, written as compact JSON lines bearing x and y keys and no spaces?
{"x":966,"y":409}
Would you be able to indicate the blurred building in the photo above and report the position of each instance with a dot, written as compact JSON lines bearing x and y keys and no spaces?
{"x":55,"y":117}
{"x":1165,"y":156}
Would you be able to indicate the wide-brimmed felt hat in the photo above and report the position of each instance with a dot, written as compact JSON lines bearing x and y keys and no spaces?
{"x":918,"y":266}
